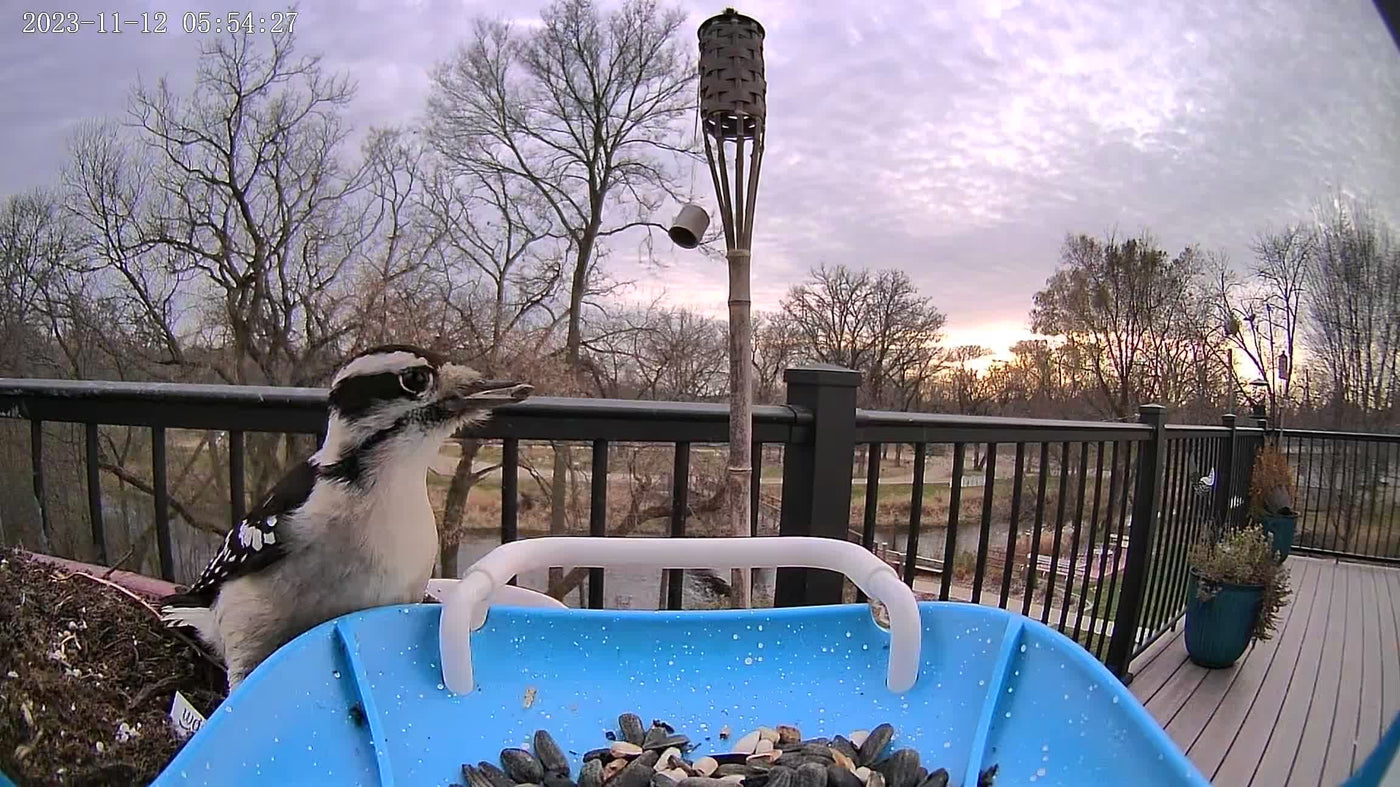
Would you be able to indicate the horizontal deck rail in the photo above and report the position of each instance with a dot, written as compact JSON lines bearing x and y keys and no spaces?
{"x":1082,"y":525}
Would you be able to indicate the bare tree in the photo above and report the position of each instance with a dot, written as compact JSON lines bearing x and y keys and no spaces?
{"x":874,"y":322}
{"x":1261,"y":317}
{"x":588,"y":111}
{"x":37,"y":246}
{"x":1354,"y":302}
{"x":658,"y":352}
{"x":1120,"y":305}
{"x":776,"y":346}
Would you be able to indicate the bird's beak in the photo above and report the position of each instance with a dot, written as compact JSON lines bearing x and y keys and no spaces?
{"x":501,"y":391}
{"x":463,"y":390}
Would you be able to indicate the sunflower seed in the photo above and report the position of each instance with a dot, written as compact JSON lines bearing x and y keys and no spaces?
{"x":846,"y":747}
{"x":810,"y":775}
{"x":659,"y":779}
{"x":474,"y":777}
{"x":557,"y":779}
{"x":664,"y":761}
{"x":988,"y":777}
{"x":630,"y":725}
{"x":665,"y":741}
{"x":874,"y":744}
{"x":591,"y":774}
{"x":549,"y":754}
{"x":763,"y":759}
{"x":938,"y":778}
{"x":497,"y":777}
{"x":625,"y":749}
{"x":613,"y":768}
{"x":837,"y":776}
{"x":747,"y":744}
{"x":637,"y":774}
{"x":858,"y":737}
{"x":705,"y":766}
{"x":780,"y":777}
{"x":788,"y":734}
{"x":901,"y":769}
{"x":522,"y":766}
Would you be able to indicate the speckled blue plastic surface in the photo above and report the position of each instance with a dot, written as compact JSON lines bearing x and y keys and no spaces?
{"x":993,"y":688}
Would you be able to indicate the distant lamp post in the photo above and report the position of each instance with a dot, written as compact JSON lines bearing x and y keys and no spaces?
{"x":733,"y":108}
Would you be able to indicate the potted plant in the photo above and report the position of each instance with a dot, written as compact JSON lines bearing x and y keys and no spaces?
{"x":1236,"y":590}
{"x":1271,"y":494}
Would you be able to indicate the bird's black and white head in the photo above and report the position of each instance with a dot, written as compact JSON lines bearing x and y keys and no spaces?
{"x":397,"y":403}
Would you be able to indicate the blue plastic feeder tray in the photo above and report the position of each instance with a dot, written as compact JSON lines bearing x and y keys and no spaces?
{"x":406,"y":695}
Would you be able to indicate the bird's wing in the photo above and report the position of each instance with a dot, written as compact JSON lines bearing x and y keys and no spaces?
{"x":255,"y":543}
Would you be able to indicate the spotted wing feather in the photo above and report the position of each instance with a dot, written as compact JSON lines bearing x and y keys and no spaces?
{"x":256,"y":542}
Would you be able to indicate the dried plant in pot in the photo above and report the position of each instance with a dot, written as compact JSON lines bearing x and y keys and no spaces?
{"x":1271,"y":493}
{"x":1236,"y":590}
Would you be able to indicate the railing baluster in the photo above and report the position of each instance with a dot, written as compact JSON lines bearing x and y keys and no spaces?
{"x":1168,"y":523}
{"x":680,"y":509}
{"x":1074,"y":537}
{"x":1113,"y":482}
{"x":1305,"y":487}
{"x":1372,"y":491}
{"x":984,"y":534}
{"x":1390,"y":518}
{"x":1334,"y":485}
{"x":755,"y":488}
{"x":36,"y":468}
{"x":1204,"y":450}
{"x":237,"y":493}
{"x":950,"y":539}
{"x":916,"y":514}
{"x":1033,"y":562}
{"x":510,"y":492}
{"x":1174,"y":579}
{"x":1093,"y":533}
{"x":872,"y":501}
{"x":1354,"y":507}
{"x":872,"y":495}
{"x":1014,"y":529}
{"x":161,"y":486}
{"x":1128,"y":487}
{"x":598,"y":516}
{"x":1059,"y":531}
{"x":94,"y":490}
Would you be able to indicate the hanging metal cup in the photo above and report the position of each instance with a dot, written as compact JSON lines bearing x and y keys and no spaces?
{"x":689,"y":226}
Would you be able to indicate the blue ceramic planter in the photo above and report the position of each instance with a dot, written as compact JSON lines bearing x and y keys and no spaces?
{"x":1218,"y":631}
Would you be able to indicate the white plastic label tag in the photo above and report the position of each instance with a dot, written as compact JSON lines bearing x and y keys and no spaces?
{"x":183,"y":715}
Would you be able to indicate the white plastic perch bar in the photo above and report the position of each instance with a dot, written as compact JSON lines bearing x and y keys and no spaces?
{"x":465,"y":604}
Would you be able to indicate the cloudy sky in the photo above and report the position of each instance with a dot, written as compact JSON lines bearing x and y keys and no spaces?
{"x":958,"y":140}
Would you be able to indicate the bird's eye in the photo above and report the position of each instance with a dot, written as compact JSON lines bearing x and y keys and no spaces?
{"x":416,"y":380}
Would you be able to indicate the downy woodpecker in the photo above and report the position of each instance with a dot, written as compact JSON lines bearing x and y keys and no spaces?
{"x":349,"y":528}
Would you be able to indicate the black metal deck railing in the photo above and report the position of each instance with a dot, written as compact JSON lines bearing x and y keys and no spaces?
{"x":1084,"y":526}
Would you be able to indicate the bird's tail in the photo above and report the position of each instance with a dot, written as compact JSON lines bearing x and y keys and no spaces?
{"x":190,"y":613}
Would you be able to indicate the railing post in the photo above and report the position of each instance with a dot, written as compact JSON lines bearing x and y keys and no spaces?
{"x":1225,"y":471}
{"x":817,"y":476}
{"x":1146,"y":508}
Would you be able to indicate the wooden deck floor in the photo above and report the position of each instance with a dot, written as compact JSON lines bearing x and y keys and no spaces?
{"x":1303,"y":708}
